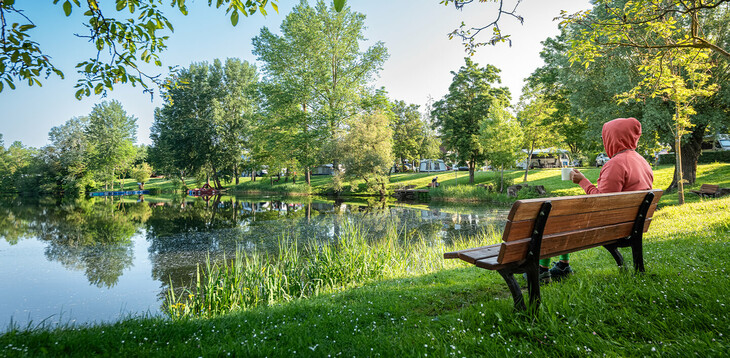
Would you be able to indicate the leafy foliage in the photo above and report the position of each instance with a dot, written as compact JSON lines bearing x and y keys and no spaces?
{"x":501,"y":138}
{"x":134,"y":35}
{"x":460,"y":113}
{"x":111,"y":134}
{"x":368,"y":149}
{"x":673,"y":43}
{"x":316,"y":66}
{"x":469,"y":35}
{"x":208,"y":120}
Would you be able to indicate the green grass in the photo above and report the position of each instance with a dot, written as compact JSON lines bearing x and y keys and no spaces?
{"x":411,"y":302}
{"x":444,"y":308}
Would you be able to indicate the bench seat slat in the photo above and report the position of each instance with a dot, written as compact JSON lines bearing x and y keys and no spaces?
{"x":528,"y":209}
{"x":566,"y":242}
{"x":556,"y":224}
{"x":489,"y":263}
{"x":475,"y":254}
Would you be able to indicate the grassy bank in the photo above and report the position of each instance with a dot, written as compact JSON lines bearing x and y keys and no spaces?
{"x":444,"y":308}
{"x":454,"y":185}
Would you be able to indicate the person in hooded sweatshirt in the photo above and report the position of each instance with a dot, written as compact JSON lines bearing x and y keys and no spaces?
{"x":627,"y":170}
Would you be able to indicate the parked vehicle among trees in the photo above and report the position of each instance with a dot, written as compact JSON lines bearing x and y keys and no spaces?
{"x":601,"y":159}
{"x":720,"y":142}
{"x":546,"y":158}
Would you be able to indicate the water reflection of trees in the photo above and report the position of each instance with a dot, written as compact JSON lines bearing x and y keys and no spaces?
{"x":87,"y":235}
{"x":94,"y":236}
{"x":182,"y":234}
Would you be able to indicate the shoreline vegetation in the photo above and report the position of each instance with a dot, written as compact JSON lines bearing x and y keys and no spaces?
{"x":370,"y":296}
{"x":454,"y":185}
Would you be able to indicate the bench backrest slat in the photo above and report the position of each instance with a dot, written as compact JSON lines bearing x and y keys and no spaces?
{"x":557,"y":244}
{"x":528,"y":209}
{"x":709,"y":188}
{"x":555,"y":224}
{"x":574,"y":223}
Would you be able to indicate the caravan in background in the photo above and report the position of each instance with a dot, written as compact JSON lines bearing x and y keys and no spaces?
{"x":432,"y":165}
{"x":546,"y":158}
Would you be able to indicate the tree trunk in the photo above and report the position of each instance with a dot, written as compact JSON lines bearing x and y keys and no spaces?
{"x":472,"y":165}
{"x":216,"y":179}
{"x":235,"y":172}
{"x":309,"y":177}
{"x":689,"y":154}
{"x":528,"y":160}
{"x":501,"y":179}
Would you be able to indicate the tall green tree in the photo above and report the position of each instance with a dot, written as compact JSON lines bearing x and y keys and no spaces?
{"x":125,"y":35}
{"x":460,"y":113}
{"x":549,"y":80}
{"x":367,"y":150}
{"x":235,"y":117}
{"x":111,"y":134}
{"x":533,"y":114}
{"x":207,"y":122}
{"x":317,"y":62}
{"x":17,"y":164}
{"x":501,"y":137}
{"x":408,"y":134}
{"x":66,"y":156}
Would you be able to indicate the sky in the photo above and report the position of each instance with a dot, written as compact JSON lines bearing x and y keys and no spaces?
{"x":421,"y":57}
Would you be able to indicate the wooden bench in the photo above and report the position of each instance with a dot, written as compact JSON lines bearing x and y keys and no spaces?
{"x":547,"y":227}
{"x":707,"y":190}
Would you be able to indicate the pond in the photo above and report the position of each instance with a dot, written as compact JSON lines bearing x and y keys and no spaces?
{"x":104,"y":259}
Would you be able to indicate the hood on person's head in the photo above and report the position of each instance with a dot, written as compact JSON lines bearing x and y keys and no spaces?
{"x":621,"y":134}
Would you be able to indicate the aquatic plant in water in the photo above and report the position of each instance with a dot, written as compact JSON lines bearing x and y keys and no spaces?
{"x":252,"y":279}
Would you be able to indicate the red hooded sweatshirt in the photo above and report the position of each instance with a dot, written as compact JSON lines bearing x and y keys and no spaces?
{"x":627,"y":170}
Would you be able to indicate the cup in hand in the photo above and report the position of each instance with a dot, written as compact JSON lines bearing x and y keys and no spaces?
{"x":565,"y":173}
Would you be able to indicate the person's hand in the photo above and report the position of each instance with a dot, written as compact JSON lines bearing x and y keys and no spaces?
{"x":576,"y":176}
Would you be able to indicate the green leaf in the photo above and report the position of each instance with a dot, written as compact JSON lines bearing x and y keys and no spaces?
{"x":234,"y":18}
{"x":79,"y":93}
{"x":121,"y":4}
{"x":9,"y":2}
{"x":339,"y":4}
{"x":67,"y":8}
{"x":276,"y":7}
{"x":99,"y":87}
{"x":1,"y":86}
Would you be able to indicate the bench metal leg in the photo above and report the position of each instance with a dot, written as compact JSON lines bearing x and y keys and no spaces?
{"x":514,"y":288}
{"x":613,"y":249}
{"x":637,"y":233}
{"x":637,"y":251}
{"x":533,"y":285}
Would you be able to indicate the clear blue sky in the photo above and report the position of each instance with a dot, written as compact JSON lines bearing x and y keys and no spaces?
{"x":414,"y":31}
